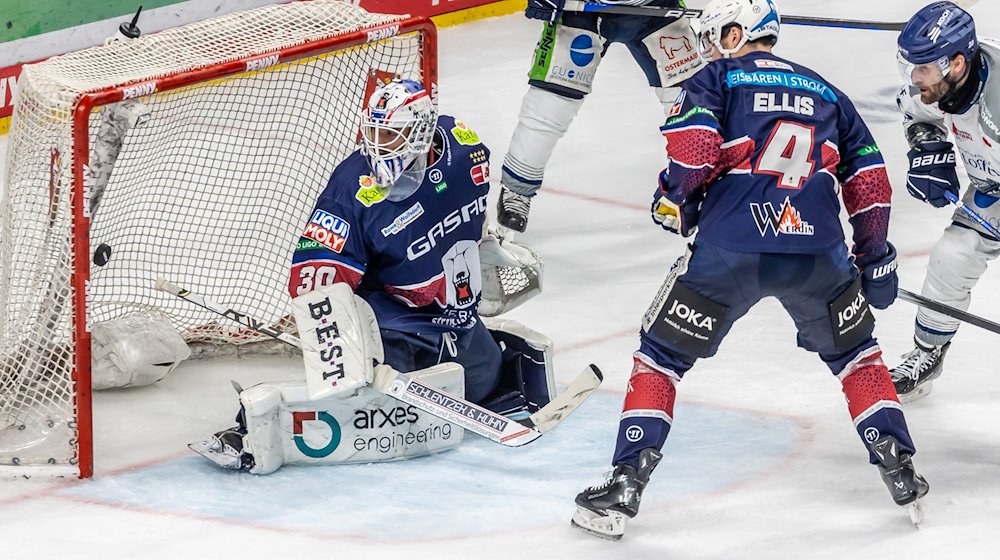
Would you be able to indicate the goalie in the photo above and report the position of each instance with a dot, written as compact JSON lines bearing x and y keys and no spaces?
{"x":388,"y":271}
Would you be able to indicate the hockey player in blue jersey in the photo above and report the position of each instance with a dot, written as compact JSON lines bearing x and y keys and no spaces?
{"x":759,"y":148}
{"x":565,"y":62}
{"x":392,"y":253}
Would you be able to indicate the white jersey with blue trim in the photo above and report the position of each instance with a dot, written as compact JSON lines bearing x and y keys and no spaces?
{"x":976,"y":132}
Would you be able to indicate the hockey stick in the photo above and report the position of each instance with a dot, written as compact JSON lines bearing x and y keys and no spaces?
{"x":948,"y":310}
{"x":953,"y":198}
{"x":456,"y":410}
{"x":677,"y":13}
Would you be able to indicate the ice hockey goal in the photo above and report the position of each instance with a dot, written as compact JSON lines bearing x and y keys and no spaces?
{"x":194,"y":154}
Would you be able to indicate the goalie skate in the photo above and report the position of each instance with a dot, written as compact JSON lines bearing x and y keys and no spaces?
{"x":224,"y":449}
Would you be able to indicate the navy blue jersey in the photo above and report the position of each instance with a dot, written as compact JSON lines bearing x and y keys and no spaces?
{"x":770,"y":145}
{"x":416,"y":260}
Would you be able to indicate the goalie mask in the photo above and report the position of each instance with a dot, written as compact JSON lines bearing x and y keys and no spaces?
{"x":397,"y":126}
{"x":757,"y":18}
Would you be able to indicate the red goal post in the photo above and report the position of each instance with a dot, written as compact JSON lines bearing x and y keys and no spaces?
{"x":238,"y":119}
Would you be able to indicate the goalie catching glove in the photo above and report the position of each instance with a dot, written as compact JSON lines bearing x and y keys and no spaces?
{"x":512,"y":274}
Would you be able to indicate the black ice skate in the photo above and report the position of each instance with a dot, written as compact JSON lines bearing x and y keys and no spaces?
{"x":920,"y":366}
{"x":905,"y":486}
{"x":602,"y":510}
{"x":512,"y":212}
{"x":225,"y":449}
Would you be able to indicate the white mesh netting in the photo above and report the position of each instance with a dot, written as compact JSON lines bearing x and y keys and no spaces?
{"x":210,"y":189}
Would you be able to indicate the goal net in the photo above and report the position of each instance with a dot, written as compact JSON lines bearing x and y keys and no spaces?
{"x":193,"y":154}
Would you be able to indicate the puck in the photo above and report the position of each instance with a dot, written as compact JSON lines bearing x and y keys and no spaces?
{"x":102,"y":255}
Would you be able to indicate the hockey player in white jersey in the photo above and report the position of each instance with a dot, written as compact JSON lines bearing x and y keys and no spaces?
{"x":949,"y":89}
{"x":565,"y":62}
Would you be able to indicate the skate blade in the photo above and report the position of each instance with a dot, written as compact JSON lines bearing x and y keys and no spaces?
{"x":609,"y":527}
{"x":916,"y":511}
{"x":917,"y":394}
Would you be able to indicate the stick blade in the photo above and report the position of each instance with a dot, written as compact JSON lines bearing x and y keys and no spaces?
{"x":550,"y":415}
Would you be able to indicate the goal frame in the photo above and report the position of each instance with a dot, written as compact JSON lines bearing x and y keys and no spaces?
{"x":80,"y":198}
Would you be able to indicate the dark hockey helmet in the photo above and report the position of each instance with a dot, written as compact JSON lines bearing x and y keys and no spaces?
{"x":938,"y":30}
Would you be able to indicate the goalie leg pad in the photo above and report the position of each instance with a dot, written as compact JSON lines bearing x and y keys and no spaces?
{"x":284,"y":426}
{"x":135,"y":350}
{"x":527,"y":380}
{"x":340,"y":339}
{"x":648,"y":412}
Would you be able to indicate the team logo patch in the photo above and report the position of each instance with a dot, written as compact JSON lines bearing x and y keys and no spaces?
{"x":678,"y":104}
{"x":480,"y":173}
{"x":328,"y":230}
{"x":786,"y":221}
{"x":403,"y":220}
{"x":464,"y":134}
{"x":673,"y":45}
{"x":773,"y":65}
{"x":299,"y":420}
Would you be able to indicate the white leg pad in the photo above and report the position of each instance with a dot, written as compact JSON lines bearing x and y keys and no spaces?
{"x":285,"y":427}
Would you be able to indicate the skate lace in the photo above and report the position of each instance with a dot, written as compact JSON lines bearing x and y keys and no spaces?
{"x":609,"y":476}
{"x":914,"y":363}
{"x":516,"y":203}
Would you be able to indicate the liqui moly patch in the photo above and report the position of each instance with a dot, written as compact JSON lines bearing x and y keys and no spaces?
{"x":328,"y":230}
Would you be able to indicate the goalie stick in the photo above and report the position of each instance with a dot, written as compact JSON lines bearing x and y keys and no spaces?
{"x":948,"y":310}
{"x":654,"y":11}
{"x":456,"y":410}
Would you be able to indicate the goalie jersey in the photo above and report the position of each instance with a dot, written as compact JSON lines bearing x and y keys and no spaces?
{"x":415,"y":260}
{"x":770,"y":145}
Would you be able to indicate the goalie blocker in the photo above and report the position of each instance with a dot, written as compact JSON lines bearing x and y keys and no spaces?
{"x":280,"y":424}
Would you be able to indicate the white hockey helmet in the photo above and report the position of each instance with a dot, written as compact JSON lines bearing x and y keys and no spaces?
{"x":758,"y":18}
{"x":397,"y":126}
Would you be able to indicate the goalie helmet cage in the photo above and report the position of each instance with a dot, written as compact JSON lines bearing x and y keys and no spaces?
{"x":232,"y":127}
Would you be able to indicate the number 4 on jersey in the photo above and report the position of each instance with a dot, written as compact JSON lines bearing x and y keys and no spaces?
{"x":788,"y":154}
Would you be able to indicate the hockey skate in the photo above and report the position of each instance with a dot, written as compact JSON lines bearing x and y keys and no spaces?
{"x":920,"y":367}
{"x":225,"y":449}
{"x":905,"y":486}
{"x":603,"y":510}
{"x":512,"y":212}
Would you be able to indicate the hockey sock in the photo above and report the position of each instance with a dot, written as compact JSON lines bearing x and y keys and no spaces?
{"x":647,"y":414}
{"x":873,"y":404}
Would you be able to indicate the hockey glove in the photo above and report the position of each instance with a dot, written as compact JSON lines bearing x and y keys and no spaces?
{"x":547,"y":10}
{"x":675,"y":218}
{"x":879,"y":279}
{"x":932,"y":172}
